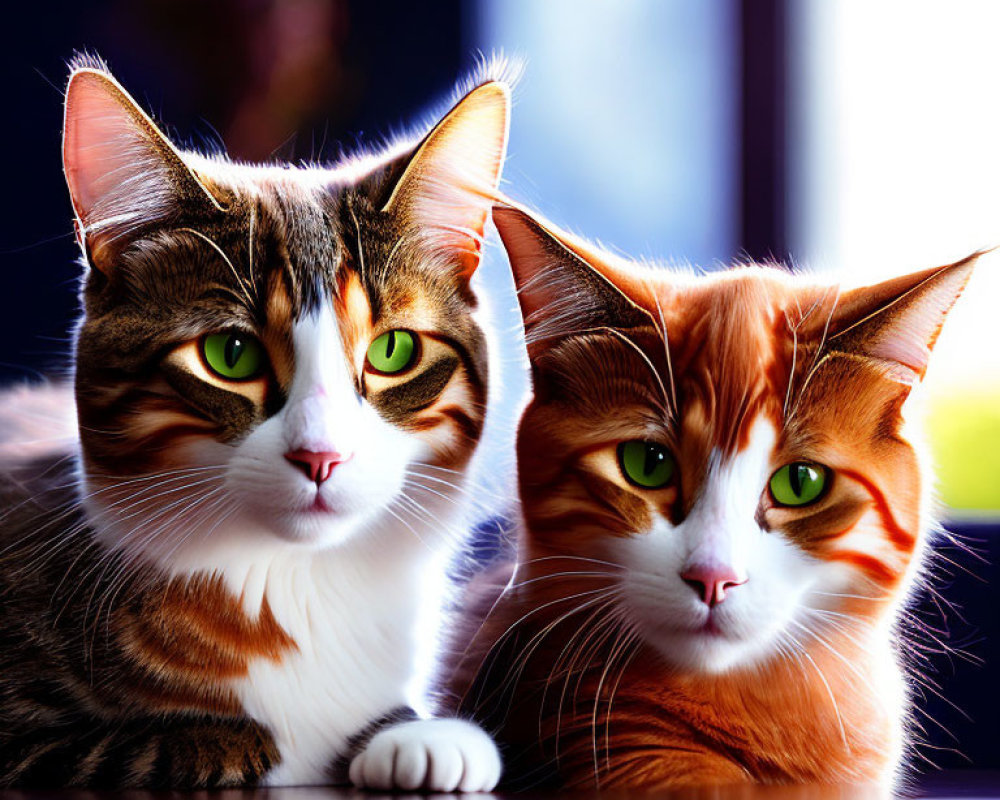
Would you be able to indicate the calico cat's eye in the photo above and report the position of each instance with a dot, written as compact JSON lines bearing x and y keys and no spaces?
{"x":647,"y":465}
{"x":799,"y":483}
{"x":393,"y":352}
{"x":233,"y":356}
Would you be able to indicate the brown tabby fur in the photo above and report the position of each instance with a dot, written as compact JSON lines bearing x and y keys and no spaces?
{"x":112,"y":673}
{"x":108,"y":687}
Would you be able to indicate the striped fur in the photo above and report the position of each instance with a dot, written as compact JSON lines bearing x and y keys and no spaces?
{"x":595,"y":662}
{"x":180,"y":605}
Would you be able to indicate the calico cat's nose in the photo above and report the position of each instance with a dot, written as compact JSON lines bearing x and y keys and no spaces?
{"x":711,"y":581}
{"x":318,"y":466}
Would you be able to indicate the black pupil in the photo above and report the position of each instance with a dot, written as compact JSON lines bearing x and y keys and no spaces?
{"x":233,"y":351}
{"x":797,"y":475}
{"x":390,"y":344}
{"x":654,"y":457}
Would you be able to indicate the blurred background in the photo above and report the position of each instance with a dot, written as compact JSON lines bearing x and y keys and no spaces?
{"x":861,"y":136}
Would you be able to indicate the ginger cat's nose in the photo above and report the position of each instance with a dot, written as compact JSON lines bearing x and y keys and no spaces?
{"x":711,"y":581}
{"x":318,"y":467}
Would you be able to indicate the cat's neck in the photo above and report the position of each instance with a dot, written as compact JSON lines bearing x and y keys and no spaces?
{"x":828,"y":711}
{"x":389,"y":558}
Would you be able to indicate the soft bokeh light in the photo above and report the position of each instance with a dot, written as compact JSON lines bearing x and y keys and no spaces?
{"x":625,"y":119}
{"x":625,"y":130}
{"x":897,"y":168}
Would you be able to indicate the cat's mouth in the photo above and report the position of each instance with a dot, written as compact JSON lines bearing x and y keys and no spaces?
{"x":711,"y":628}
{"x":319,"y":505}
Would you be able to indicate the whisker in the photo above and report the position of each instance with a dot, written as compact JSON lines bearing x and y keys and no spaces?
{"x":666,"y":351}
{"x":251,"y":303}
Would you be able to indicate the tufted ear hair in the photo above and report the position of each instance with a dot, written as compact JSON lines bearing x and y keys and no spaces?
{"x":562,"y":287}
{"x":896,"y":323}
{"x":449,"y":184}
{"x":122,"y":172}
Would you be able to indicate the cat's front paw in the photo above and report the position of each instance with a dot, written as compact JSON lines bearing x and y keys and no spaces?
{"x":436,"y":755}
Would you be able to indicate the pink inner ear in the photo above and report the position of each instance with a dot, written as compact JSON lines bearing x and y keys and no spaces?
{"x":525,"y":249}
{"x":94,"y":124}
{"x":544,"y":290}
{"x":905,"y":344}
{"x":904,"y":331}
{"x":104,"y":147}
{"x":118,"y":165}
{"x":452,"y":209}
{"x":449,"y":186}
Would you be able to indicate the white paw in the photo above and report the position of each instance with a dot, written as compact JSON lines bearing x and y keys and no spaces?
{"x":436,"y":755}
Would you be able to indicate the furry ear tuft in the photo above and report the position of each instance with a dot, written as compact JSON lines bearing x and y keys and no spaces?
{"x":121,"y":171}
{"x":450,"y":182}
{"x":898,"y":321}
{"x":560,"y":292}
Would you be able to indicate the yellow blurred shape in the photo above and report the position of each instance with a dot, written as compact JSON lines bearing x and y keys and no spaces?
{"x":964,"y":431}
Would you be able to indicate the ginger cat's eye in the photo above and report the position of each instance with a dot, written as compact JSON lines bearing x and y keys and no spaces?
{"x":799,"y":484}
{"x":234,"y":356}
{"x":647,"y":465}
{"x":393,"y":352}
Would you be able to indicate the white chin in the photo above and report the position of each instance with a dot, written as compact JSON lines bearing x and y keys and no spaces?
{"x":315,"y":528}
{"x":700,"y":653}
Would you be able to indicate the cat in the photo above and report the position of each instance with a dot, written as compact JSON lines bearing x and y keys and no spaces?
{"x":723,"y":517}
{"x":280,"y":382}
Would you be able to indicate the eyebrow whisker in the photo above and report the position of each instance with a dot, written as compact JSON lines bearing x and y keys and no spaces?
{"x":239,"y":278}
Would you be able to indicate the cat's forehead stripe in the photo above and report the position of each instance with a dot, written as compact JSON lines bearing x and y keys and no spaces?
{"x":288,"y":228}
{"x":727,"y":360}
{"x":355,"y":313}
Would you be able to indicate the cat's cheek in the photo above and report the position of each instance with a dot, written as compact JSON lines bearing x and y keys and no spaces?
{"x":656,"y":600}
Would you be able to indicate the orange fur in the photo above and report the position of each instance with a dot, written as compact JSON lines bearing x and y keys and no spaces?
{"x":188,"y":640}
{"x":559,"y":665}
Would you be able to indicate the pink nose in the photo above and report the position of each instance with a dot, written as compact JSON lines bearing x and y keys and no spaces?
{"x":710,"y":581}
{"x":317,"y":466}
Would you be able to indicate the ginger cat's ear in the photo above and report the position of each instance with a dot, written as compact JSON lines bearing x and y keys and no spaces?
{"x":122,"y":172}
{"x":450,"y":182}
{"x":897,"y":322}
{"x":559,"y":289}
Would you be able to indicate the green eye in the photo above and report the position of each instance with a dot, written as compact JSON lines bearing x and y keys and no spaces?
{"x":798,"y":484}
{"x":392,"y":352}
{"x":233,"y":356}
{"x":648,"y":465}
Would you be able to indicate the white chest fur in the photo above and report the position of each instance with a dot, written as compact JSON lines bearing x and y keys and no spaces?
{"x":362,"y":616}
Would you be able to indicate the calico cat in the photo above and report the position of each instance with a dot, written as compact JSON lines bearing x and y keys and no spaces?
{"x":280,"y":382}
{"x":724,"y":515}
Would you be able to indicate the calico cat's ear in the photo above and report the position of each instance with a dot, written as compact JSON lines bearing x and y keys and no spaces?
{"x":122,"y":172}
{"x":897,"y":322}
{"x":560,"y":289}
{"x":449,"y":184}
